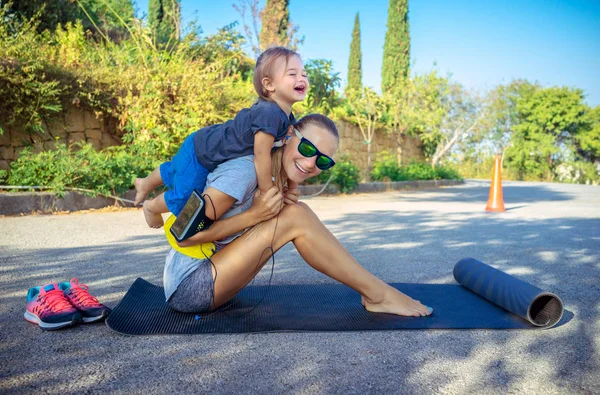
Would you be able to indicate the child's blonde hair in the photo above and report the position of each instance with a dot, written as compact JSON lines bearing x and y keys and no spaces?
{"x":265,"y":65}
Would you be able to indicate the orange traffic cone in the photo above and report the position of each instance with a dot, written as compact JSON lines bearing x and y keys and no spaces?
{"x":496,"y":201}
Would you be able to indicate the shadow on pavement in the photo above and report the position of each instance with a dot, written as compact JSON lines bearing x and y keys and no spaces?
{"x":559,"y":255}
{"x":513,"y":194}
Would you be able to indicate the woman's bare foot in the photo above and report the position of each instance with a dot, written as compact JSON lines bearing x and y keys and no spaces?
{"x":140,"y":191}
{"x":154,"y":220}
{"x":395,"y":302}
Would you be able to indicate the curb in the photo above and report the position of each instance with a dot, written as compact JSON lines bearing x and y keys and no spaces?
{"x":371,"y":187}
{"x":47,"y":202}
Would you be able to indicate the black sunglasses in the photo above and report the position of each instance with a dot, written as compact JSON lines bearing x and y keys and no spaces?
{"x":308,"y":149}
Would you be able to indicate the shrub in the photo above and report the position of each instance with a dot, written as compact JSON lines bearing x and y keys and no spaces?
{"x":480,"y":168}
{"x":344,"y":174}
{"x":346,"y":177}
{"x":417,"y":171}
{"x":321,"y":178}
{"x":385,"y":167}
{"x":109,"y":172}
{"x":157,"y":96}
{"x":27,"y":94}
{"x":579,"y":173}
{"x":447,"y":173}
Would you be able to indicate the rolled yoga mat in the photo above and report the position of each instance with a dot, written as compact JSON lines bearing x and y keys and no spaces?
{"x":335,"y":307}
{"x":539,"y":307}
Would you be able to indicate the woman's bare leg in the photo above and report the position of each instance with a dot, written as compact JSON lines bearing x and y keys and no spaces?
{"x":238,"y":263}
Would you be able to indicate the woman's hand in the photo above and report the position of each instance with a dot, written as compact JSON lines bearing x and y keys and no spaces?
{"x":186,"y":243}
{"x":266,"y":206}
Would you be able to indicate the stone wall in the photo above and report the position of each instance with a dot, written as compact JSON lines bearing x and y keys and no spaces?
{"x":73,"y":126}
{"x":79,"y":125}
{"x":352,"y":143}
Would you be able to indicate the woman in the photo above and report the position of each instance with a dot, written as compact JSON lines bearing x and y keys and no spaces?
{"x":194,"y":285}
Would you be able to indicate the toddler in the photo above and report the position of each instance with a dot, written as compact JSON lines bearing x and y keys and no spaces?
{"x":280,"y":81}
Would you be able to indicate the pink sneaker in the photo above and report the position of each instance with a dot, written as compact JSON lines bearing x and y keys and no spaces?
{"x":88,"y":305}
{"x":48,"y":307}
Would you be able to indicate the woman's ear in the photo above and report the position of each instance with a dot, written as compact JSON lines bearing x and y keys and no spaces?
{"x":289,"y":133}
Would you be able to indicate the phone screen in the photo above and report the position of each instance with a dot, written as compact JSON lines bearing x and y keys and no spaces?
{"x":185,"y":216}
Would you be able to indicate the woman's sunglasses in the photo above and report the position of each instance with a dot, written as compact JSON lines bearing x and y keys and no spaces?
{"x":308,"y":149}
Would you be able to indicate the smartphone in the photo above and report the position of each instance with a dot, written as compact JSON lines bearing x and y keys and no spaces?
{"x":192,"y":218}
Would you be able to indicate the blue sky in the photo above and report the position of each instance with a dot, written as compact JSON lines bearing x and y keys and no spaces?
{"x":481,"y":43}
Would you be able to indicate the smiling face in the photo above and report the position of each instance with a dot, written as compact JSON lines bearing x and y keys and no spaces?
{"x":298,"y":167}
{"x":288,"y":84}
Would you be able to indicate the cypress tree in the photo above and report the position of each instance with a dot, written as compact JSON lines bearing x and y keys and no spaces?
{"x":275,"y":23}
{"x":164,"y":18}
{"x":355,"y":61}
{"x":396,"y":51}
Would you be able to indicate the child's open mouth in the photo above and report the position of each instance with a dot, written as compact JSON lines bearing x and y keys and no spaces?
{"x":300,"y":89}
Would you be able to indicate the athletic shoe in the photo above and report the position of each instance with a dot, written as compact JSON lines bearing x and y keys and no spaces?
{"x":88,"y":305}
{"x":48,"y":307}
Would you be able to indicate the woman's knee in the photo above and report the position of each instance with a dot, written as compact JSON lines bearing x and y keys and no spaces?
{"x":295,"y":211}
{"x":297,"y":216}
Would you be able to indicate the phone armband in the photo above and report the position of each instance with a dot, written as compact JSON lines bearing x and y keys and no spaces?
{"x":192,"y":218}
{"x":198,"y":251}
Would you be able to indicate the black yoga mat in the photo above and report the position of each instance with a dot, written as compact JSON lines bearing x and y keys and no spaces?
{"x":332,"y":307}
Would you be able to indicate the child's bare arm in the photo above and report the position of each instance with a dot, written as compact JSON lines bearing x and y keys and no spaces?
{"x":263,"y":142}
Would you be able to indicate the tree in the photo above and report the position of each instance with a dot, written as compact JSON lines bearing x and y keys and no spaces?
{"x":252,"y":33}
{"x":588,"y":139}
{"x":275,"y":21}
{"x":164,"y":19}
{"x":416,"y":108}
{"x":463,"y":115}
{"x":277,"y":28}
{"x":269,"y":26}
{"x":502,"y":114}
{"x":367,"y":111}
{"x":354,"y":63}
{"x":451,"y":113}
{"x":396,"y":50}
{"x":225,"y":48}
{"x":550,"y":123}
{"x":322,"y":93}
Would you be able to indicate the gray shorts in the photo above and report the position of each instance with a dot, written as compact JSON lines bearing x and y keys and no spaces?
{"x":195,"y":293}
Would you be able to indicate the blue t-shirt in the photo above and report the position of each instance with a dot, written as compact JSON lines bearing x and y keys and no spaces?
{"x":216,"y":144}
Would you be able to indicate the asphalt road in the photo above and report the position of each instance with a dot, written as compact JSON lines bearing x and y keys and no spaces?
{"x":550,"y":237}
